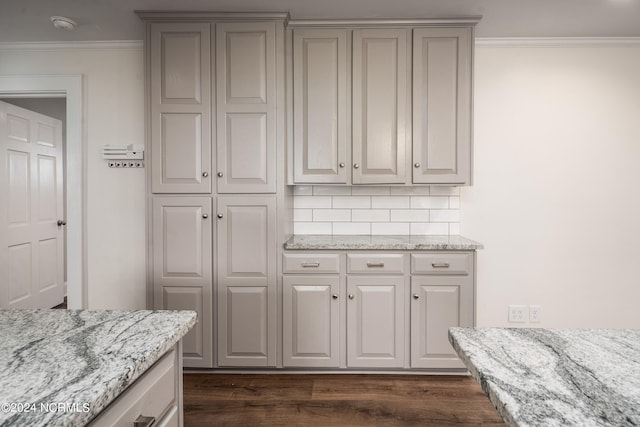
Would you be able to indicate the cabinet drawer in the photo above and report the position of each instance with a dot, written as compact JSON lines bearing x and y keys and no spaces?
{"x":375,"y":263}
{"x":441,"y":264}
{"x":311,"y":263}
{"x":151,"y":395}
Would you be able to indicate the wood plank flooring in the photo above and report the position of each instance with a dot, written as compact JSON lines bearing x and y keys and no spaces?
{"x":335,"y":400}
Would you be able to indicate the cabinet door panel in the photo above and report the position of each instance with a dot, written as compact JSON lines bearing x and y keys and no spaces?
{"x":375,"y":322}
{"x":320,"y":105}
{"x":182,"y":264}
{"x":311,"y":321}
{"x":380,"y":81}
{"x":246,"y":281}
{"x":441,"y":105}
{"x":246,"y":107}
{"x":442,"y":302}
{"x":180,"y":108}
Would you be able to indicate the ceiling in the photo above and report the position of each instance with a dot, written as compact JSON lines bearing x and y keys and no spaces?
{"x":28,"y":20}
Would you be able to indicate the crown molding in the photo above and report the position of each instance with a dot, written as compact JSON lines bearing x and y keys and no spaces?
{"x":181,"y":16}
{"x":75,"y":45}
{"x":359,"y":23}
{"x":557,"y":41}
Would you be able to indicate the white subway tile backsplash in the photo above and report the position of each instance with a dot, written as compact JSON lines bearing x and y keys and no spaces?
{"x":312,"y":228}
{"x":328,"y":190}
{"x":370,"y":215}
{"x":444,"y":215}
{"x":332,"y":215}
{"x":387,"y":228}
{"x":429,"y":202}
{"x":409,"y":215}
{"x":352,"y":202}
{"x":302,"y":215}
{"x":300,"y":202}
{"x":370,"y":191}
{"x":390,"y":202}
{"x":376,"y":210}
{"x":351,"y":228}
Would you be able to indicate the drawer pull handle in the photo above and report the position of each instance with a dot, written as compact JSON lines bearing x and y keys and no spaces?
{"x":440,"y":265}
{"x":311,"y":264}
{"x":375,"y":264}
{"x":334,"y":296}
{"x":143,"y":421}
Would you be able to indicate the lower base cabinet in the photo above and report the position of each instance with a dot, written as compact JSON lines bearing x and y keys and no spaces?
{"x":439,"y":294}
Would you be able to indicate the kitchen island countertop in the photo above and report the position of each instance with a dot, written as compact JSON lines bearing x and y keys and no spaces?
{"x":549,"y":377}
{"x":63,"y":367}
{"x":362,"y":242}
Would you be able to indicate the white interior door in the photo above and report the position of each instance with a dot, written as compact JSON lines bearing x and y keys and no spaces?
{"x":31,"y":204}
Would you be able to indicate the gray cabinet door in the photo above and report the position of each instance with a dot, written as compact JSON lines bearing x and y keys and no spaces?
{"x":320,"y":115}
{"x":438,"y":303}
{"x":182,"y":274}
{"x":442,"y":105}
{"x":380,"y":110}
{"x":246,"y":107}
{"x":375,"y":322}
{"x":311,"y":319}
{"x":180,"y":104}
{"x":246,"y":275}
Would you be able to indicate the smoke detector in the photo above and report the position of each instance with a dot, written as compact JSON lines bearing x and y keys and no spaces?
{"x":63,"y":23}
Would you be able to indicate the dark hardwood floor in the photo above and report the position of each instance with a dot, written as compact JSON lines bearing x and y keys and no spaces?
{"x":335,"y":400}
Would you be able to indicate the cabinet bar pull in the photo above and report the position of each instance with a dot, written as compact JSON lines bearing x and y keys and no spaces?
{"x":440,"y":264}
{"x":375,"y":264}
{"x":311,"y":264}
{"x":143,"y":421}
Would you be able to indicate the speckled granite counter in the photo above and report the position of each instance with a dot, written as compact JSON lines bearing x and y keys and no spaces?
{"x":79,"y":358}
{"x":546,"y":377}
{"x":337,"y":242}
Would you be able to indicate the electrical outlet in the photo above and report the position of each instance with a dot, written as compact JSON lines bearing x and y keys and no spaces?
{"x":534,"y":313}
{"x":517,"y":313}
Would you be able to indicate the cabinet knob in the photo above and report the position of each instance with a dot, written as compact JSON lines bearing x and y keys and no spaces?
{"x":356,"y":166}
{"x":417,"y":165}
{"x":205,"y":216}
{"x":220,"y":174}
{"x":205,"y":174}
{"x":334,"y":296}
{"x":220,"y":216}
{"x":341,"y":164}
{"x":416,"y":296}
{"x":351,"y":296}
{"x":61,"y":222}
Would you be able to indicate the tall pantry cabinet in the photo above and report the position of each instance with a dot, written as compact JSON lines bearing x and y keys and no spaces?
{"x":218,"y":203}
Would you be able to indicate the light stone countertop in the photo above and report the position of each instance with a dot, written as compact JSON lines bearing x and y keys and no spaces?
{"x":556,"y":377}
{"x":80,"y":358}
{"x":361,"y":242}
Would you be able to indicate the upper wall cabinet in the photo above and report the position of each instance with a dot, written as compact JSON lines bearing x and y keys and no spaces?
{"x":320,"y":64}
{"x":180,"y":108}
{"x":382,"y":103}
{"x":246,"y":107}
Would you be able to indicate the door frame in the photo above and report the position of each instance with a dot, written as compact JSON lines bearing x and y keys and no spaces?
{"x":69,"y":87}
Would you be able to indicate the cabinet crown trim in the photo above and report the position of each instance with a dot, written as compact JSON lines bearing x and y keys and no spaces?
{"x":358,"y":23}
{"x":196,"y":16}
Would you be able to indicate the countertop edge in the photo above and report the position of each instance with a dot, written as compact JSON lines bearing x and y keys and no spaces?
{"x":391,"y":242}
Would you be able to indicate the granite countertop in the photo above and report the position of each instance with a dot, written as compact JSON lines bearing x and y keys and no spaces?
{"x":336,"y":242}
{"x":80,"y":359}
{"x":556,"y":377}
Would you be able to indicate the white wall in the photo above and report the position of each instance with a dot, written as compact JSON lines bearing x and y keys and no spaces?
{"x":115,"y":199}
{"x":556,"y":199}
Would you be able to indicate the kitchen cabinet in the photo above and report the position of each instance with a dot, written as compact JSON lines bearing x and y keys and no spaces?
{"x":246,"y":280}
{"x":246,"y":107}
{"x":311,"y":321}
{"x":380,"y":74}
{"x":442,"y":105}
{"x":410,"y":100}
{"x":180,"y":107}
{"x":321,"y":117}
{"x":182,"y":258}
{"x":375,"y":322}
